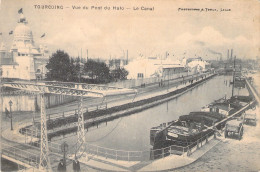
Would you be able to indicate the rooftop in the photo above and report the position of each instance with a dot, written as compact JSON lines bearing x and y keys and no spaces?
{"x":7,"y":61}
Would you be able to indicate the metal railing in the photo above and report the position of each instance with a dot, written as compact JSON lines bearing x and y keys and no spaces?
{"x":149,"y":154}
{"x":73,"y":112}
{"x":21,"y":155}
{"x":159,"y":153}
{"x":139,"y":155}
{"x":32,"y":137}
{"x":103,"y":106}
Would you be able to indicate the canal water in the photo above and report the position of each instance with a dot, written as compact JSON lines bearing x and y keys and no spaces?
{"x":132,"y":133}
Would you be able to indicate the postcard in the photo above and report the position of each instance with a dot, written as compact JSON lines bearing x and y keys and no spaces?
{"x":121,"y":85}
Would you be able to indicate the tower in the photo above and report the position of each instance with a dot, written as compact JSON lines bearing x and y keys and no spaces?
{"x":28,"y":61}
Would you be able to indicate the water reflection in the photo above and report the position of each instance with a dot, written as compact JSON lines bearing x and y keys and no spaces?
{"x":133,"y":132}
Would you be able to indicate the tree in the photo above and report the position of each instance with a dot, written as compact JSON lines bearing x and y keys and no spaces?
{"x":73,"y":74}
{"x":78,"y":69}
{"x":89,"y":68}
{"x":119,"y":73}
{"x":97,"y":71}
{"x":60,"y":67}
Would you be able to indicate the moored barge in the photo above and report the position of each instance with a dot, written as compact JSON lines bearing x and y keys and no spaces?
{"x":196,"y":125}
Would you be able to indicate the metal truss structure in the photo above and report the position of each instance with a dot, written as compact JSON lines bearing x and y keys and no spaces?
{"x":85,"y":90}
{"x":44,"y":157}
{"x":80,"y":133}
{"x":71,"y":89}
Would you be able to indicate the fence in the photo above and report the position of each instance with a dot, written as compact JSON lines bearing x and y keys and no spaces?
{"x":32,"y":137}
{"x":126,"y":155}
{"x":153,"y":154}
{"x":104,"y":106}
{"x":149,"y":154}
{"x":132,"y":83}
{"x":73,"y":112}
{"x":21,"y":155}
{"x":160,"y":153}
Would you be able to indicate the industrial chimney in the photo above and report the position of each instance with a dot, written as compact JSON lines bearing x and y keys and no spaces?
{"x":231,"y":55}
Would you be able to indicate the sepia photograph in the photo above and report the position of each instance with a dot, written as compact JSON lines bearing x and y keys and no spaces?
{"x":130,"y":85}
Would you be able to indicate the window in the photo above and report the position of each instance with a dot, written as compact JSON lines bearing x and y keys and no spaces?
{"x":140,"y":75}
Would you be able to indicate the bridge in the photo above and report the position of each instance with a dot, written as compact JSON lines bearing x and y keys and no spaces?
{"x":42,"y":162}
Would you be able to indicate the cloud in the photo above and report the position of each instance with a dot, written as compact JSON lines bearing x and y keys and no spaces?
{"x":199,"y":43}
{"x":211,"y":40}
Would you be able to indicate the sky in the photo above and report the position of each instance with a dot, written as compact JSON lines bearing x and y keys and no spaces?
{"x":110,"y":33}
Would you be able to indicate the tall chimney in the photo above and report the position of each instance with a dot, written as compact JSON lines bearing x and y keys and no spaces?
{"x":228,"y":54}
{"x":231,"y":55}
{"x":127,"y":57}
{"x":87,"y":54}
{"x":81,"y":55}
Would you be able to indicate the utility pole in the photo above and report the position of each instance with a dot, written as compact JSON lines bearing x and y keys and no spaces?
{"x":11,"y":114}
{"x":234,"y":71}
{"x":127,"y":57}
{"x":87,"y":54}
{"x":81,"y":55}
{"x":231,"y":55}
{"x":168,"y":79}
{"x":80,"y":66}
{"x":64,"y":149}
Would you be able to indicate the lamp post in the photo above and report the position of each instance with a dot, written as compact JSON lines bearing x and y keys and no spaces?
{"x":10,"y":104}
{"x":168,"y":79}
{"x":64,"y":149}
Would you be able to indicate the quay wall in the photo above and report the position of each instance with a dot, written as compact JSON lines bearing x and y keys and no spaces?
{"x":95,"y":117}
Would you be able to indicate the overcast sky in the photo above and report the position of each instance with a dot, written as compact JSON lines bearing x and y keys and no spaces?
{"x":150,"y":33}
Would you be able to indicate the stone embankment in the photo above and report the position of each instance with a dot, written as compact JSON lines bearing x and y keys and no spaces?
{"x":65,"y":125}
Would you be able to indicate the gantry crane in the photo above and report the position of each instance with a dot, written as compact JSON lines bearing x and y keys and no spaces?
{"x":64,"y":88}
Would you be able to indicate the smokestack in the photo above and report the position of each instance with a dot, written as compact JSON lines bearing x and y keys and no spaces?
{"x":81,"y":55}
{"x":231,"y":55}
{"x":87,"y":54}
{"x":127,"y":57}
{"x":228,"y":54}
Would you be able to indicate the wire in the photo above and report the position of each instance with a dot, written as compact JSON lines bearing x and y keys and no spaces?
{"x":107,"y":133}
{"x":134,"y":97}
{"x":100,"y":137}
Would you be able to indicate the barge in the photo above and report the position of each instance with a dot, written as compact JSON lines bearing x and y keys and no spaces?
{"x":196,"y":125}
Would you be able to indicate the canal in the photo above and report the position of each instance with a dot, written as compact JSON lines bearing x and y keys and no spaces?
{"x":132,"y":133}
